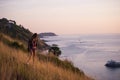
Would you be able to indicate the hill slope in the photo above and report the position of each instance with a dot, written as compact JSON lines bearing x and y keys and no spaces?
{"x":10,"y":28}
{"x":13,"y":66}
{"x":13,"y":57}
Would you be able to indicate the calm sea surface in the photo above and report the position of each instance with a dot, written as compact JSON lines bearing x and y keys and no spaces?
{"x":90,"y":53}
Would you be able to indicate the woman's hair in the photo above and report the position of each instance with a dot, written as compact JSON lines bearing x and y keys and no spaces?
{"x":34,"y":36}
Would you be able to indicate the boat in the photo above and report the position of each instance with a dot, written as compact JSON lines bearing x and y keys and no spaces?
{"x":112,"y":64}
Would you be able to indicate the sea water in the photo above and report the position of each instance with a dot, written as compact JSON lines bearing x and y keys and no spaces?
{"x":90,"y":53}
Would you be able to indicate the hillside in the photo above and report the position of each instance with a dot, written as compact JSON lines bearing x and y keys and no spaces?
{"x":10,"y":28}
{"x":13,"y":57}
{"x":46,"y":67}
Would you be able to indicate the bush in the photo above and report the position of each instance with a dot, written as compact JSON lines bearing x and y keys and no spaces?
{"x":14,"y":44}
{"x":55,"y":50}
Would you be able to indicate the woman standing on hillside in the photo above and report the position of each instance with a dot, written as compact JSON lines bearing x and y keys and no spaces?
{"x":32,"y":45}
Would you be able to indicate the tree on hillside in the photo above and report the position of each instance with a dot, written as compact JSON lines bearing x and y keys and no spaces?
{"x":55,"y":50}
{"x":10,"y":28}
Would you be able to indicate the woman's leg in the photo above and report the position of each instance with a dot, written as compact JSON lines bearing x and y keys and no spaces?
{"x":30,"y":54}
{"x":33,"y":55}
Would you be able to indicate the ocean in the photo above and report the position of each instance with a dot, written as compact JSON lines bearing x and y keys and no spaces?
{"x":90,"y":53}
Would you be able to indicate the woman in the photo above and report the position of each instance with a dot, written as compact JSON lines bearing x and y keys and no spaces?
{"x":32,"y":45}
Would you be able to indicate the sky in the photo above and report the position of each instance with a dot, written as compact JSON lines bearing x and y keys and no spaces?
{"x":64,"y":16}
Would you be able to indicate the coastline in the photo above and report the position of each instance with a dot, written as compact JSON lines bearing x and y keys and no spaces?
{"x":90,"y":53}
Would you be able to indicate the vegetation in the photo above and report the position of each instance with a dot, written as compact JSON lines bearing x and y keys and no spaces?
{"x":67,"y":65}
{"x":55,"y":50}
{"x":10,"y":28}
{"x":13,"y":57}
{"x":12,"y":43}
{"x":46,"y":67}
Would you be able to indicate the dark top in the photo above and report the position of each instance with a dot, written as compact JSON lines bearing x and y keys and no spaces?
{"x":31,"y":44}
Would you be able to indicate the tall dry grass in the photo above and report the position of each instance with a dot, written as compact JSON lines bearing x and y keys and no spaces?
{"x":13,"y":67}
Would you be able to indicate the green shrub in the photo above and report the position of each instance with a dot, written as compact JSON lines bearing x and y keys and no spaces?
{"x":16,"y":45}
{"x":55,"y":50}
{"x":13,"y":44}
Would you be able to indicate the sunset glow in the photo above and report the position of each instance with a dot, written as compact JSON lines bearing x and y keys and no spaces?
{"x":64,"y":16}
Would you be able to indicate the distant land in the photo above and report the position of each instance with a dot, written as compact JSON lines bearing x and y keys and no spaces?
{"x":41,"y":35}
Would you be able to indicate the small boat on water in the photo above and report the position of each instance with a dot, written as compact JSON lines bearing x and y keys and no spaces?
{"x":112,"y":64}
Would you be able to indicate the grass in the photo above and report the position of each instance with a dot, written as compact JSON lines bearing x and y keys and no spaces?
{"x":46,"y":67}
{"x":12,"y":43}
{"x":62,"y":64}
